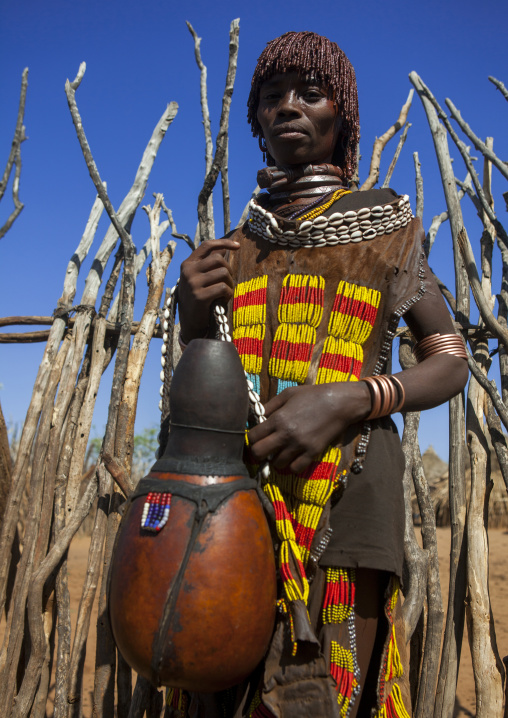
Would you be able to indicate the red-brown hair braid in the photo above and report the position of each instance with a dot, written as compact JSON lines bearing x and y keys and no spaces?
{"x":310,"y":54}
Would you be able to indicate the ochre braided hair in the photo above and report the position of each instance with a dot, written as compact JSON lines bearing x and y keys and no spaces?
{"x":310,"y":54}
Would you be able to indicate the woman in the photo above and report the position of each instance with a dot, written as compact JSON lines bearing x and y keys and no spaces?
{"x":315,"y":283}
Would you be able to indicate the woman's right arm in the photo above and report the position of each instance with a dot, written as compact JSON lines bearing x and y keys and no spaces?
{"x":205,"y":278}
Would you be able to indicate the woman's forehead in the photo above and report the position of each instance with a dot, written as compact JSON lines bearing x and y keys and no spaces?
{"x":294,"y":78}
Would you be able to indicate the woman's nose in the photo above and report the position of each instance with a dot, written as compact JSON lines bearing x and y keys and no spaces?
{"x":288,"y":104}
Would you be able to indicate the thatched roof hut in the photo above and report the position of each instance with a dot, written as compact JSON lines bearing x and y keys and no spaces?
{"x":436,"y":471}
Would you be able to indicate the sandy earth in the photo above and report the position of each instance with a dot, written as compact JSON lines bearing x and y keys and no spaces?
{"x":498,"y":547}
{"x":465,"y":705}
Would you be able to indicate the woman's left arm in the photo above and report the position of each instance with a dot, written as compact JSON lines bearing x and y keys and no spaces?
{"x":441,"y":376}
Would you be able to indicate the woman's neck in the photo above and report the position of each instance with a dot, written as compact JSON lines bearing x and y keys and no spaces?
{"x":299,"y":184}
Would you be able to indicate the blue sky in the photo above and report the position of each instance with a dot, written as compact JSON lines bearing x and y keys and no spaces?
{"x":139,"y":57}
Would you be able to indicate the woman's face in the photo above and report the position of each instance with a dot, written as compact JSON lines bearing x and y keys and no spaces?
{"x":300,"y":123}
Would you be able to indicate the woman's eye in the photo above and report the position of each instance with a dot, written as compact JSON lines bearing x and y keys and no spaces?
{"x":313,"y":95}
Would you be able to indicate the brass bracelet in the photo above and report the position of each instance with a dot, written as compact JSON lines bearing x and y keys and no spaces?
{"x":402,"y":394}
{"x":440,"y":344}
{"x":387,"y":395}
{"x":375,"y":393}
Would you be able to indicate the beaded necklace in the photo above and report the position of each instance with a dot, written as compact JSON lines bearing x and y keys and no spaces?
{"x":323,"y":207}
{"x":338,"y":228}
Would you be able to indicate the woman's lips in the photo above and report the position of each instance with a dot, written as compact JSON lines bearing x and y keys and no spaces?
{"x":290,"y":134}
{"x":288,"y":131}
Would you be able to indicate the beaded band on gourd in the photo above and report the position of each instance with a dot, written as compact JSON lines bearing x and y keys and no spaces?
{"x":387,"y":394}
{"x":440,"y":344}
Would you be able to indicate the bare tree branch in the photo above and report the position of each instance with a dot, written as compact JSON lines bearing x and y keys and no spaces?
{"x":174,"y":231}
{"x":129,"y":204}
{"x":433,"y":633}
{"x":206,"y":120}
{"x":381,"y":142}
{"x":38,"y":641}
{"x":416,"y":558}
{"x":452,"y":642}
{"x":19,"y":133}
{"x":497,"y":436}
{"x":118,"y":473}
{"x":448,"y":179}
{"x":488,"y":669}
{"x":438,"y":220}
{"x":112,"y":329}
{"x":502,"y":89}
{"x":15,"y":158}
{"x":481,"y":300}
{"x":245,"y":212}
{"x":490,"y":388}
{"x":70,"y":91}
{"x":423,"y":90}
{"x":204,"y":97}
{"x":402,"y":139}
{"x":419,"y":187}
{"x":225,"y":191}
{"x":222,"y":135}
{"x":479,"y":145}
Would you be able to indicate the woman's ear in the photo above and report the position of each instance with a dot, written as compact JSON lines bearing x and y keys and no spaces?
{"x":262,"y":146}
{"x":339,"y":153}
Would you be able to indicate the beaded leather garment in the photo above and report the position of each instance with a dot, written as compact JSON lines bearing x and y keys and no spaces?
{"x":306,"y":313}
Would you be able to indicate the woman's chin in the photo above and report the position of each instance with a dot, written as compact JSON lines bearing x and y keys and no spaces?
{"x":288,"y":160}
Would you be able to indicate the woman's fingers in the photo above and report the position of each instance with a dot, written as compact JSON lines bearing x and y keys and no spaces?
{"x":281,"y":453}
{"x":219,"y":246}
{"x":205,"y":277}
{"x":215,"y":272}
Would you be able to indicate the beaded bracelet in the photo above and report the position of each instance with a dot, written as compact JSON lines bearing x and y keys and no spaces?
{"x":387,"y":395}
{"x":440,"y":344}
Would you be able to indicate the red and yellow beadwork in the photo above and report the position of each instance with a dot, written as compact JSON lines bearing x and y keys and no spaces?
{"x":392,"y":706}
{"x":351,"y":320}
{"x":300,"y":312}
{"x":342,"y":669}
{"x":306,"y":495}
{"x":338,"y":607}
{"x":339,"y":598}
{"x":249,"y":322}
{"x":178,"y":699}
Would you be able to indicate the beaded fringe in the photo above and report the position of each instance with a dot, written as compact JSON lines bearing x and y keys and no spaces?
{"x":394,"y":706}
{"x":178,"y":699}
{"x":392,"y":667}
{"x":295,"y":587}
{"x":338,"y":607}
{"x":306,"y":495}
{"x":257,"y":709}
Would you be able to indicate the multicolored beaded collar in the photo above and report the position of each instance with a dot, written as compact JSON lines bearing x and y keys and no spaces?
{"x":339,"y":228}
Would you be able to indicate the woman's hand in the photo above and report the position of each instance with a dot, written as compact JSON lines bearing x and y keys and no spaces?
{"x":205,"y":278}
{"x":304,"y":420}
